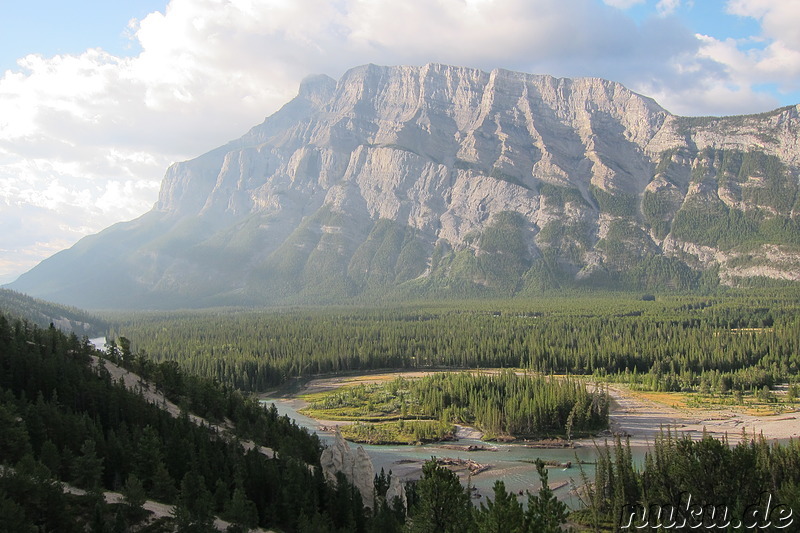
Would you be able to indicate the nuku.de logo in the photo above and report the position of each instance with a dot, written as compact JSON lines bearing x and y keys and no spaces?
{"x":766,"y":513}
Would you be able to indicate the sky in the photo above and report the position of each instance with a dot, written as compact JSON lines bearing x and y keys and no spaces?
{"x":99,"y":97}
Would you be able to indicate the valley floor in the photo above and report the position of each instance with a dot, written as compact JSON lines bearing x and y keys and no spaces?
{"x":639,"y":415}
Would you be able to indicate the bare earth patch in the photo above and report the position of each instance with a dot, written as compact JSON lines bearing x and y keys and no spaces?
{"x":632,"y":414}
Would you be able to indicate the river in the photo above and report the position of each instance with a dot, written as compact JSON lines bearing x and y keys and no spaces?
{"x":512,"y":463}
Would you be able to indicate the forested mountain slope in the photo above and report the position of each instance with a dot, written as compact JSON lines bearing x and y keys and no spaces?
{"x":428,"y":181}
{"x":65,"y":419}
{"x":43,"y":313}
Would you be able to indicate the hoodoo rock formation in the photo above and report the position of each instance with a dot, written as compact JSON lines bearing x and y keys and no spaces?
{"x":354,"y":464}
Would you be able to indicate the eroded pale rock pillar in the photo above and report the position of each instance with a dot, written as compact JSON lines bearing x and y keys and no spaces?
{"x":356,"y":466}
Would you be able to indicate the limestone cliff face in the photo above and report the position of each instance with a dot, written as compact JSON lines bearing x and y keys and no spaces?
{"x":421,"y":179}
{"x":437,"y":148}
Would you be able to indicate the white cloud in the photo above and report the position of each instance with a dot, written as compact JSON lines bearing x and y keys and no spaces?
{"x":743,"y":64}
{"x":85,"y":138}
{"x":780,"y":19}
{"x":667,"y":7}
{"x":779,"y":60}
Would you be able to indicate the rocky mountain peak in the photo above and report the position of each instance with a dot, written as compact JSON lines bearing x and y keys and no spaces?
{"x":317,"y":89}
{"x":416,"y":179}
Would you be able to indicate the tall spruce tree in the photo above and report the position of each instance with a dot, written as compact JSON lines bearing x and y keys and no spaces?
{"x":501,"y":515}
{"x":193,"y":510}
{"x":443,"y":506}
{"x":545,"y":512}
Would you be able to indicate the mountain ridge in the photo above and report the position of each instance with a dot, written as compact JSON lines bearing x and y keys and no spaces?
{"x":437,"y":180}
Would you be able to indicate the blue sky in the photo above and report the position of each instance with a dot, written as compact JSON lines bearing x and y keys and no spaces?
{"x":51,"y":27}
{"x":702,"y":16}
{"x":97,"y":98}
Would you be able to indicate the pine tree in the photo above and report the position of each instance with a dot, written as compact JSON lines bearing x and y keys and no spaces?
{"x":14,"y":440}
{"x":241,"y":510}
{"x":443,"y":506}
{"x":134,"y":498}
{"x":13,"y":514}
{"x":503,"y":515}
{"x":221,"y":496}
{"x":193,"y":510}
{"x":545,"y":512}
{"x":99,"y":523}
{"x":163,"y":484}
{"x":50,"y":457}
{"x":87,"y":469}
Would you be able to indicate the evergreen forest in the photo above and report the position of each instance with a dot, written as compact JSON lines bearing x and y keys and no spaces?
{"x":71,"y":432}
{"x":65,"y":420}
{"x":740,"y":340}
{"x":687,"y":484}
{"x":502,"y":405}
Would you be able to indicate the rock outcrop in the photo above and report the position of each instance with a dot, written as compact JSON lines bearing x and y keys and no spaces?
{"x":397,"y":490}
{"x":355,"y":465}
{"x":421,"y":180}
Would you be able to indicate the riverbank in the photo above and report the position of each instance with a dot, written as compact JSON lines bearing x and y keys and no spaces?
{"x":632,"y":414}
{"x":641,"y":417}
{"x":635,"y":415}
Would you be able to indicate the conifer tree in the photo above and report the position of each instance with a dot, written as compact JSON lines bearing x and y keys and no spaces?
{"x":163,"y":484}
{"x":14,"y":440}
{"x":443,"y":506}
{"x":87,"y":469}
{"x":545,"y":512}
{"x":193,"y":510}
{"x":241,"y":510}
{"x":134,"y":498}
{"x":501,"y":515}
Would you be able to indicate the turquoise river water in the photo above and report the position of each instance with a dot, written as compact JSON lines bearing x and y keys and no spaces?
{"x":512,"y":463}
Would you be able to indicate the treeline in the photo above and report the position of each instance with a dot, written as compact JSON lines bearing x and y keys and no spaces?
{"x":750,"y":337}
{"x":218,"y":403}
{"x":501,"y":404}
{"x":506,"y":404}
{"x":43,"y":313}
{"x":685,"y":484}
{"x":65,"y":420}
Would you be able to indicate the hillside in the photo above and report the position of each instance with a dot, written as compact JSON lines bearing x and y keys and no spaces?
{"x":43,"y":313}
{"x":66,"y":418}
{"x":398,"y":182}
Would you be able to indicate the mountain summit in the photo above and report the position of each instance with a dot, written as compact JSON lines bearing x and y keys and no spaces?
{"x":435,"y":180}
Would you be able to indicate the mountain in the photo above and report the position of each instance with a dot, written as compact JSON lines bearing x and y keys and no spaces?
{"x":42,"y":314}
{"x":429,"y":181}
